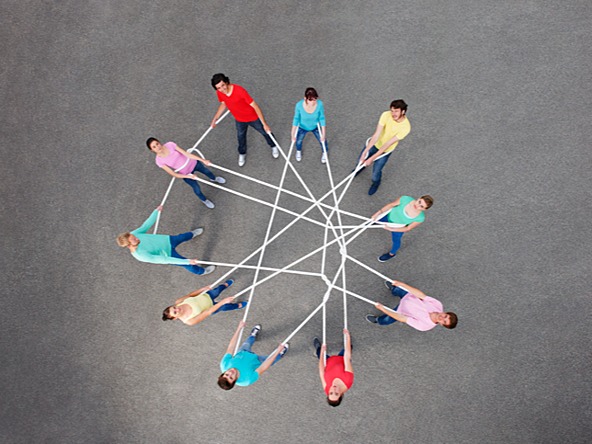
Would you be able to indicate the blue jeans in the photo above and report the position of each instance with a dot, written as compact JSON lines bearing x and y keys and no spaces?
{"x":247,"y":347}
{"x":199,"y":167}
{"x":385,"y":319}
{"x":179,"y":239}
{"x":302,"y":133}
{"x":241,"y":134}
{"x":377,"y":165}
{"x":395,"y":236}
{"x":214,"y":293}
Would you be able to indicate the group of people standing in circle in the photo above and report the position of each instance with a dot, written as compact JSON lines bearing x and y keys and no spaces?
{"x":244,"y":367}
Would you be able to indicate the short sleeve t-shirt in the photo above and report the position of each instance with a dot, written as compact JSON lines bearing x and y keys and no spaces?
{"x":418,"y":311}
{"x":392,"y":129}
{"x":335,"y":368}
{"x":246,"y":363}
{"x":398,"y":216}
{"x":175,"y":160}
{"x":239,"y":104}
{"x":308,"y":121}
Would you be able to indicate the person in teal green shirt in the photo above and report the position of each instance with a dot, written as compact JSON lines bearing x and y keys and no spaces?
{"x":309,"y":115}
{"x":160,"y":248}
{"x":245,"y":367}
{"x":401,"y":216}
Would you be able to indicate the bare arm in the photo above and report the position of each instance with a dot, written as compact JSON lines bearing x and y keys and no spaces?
{"x":221,"y":109}
{"x":265,"y":366}
{"x":348,"y":350}
{"x":234,"y":340}
{"x":193,"y":293}
{"x":391,"y":313}
{"x":177,"y":175}
{"x":322,"y":365}
{"x":387,"y":207}
{"x":415,"y":291}
{"x":382,"y":149}
{"x":373,"y":140}
{"x":200,"y":317}
{"x":193,"y":156}
{"x":260,"y":115}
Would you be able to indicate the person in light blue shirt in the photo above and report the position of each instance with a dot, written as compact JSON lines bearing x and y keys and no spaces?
{"x":309,"y":114}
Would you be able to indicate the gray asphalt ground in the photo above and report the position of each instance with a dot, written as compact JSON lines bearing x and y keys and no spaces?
{"x":500,"y":105}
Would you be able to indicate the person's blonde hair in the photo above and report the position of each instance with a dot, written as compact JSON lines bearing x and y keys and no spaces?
{"x":123,"y":239}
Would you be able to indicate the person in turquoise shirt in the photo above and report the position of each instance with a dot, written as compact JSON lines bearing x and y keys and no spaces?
{"x":309,"y":113}
{"x":160,"y":248}
{"x":245,"y":367}
{"x":402,"y":215}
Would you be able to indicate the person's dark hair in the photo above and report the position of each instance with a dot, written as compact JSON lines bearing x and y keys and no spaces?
{"x":311,"y":93}
{"x":224,"y":383}
{"x":217,"y":78}
{"x":336,"y":402}
{"x":399,"y":104}
{"x":453,"y":320}
{"x":166,"y":315}
{"x":150,"y":140}
{"x":429,"y":200}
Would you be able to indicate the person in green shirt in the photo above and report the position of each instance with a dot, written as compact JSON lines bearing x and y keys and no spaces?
{"x":160,"y":248}
{"x":401,"y":216}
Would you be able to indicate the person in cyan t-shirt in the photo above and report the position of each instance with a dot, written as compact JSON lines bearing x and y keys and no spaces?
{"x":401,"y":215}
{"x":245,"y":111}
{"x":245,"y":367}
{"x":337,"y":376}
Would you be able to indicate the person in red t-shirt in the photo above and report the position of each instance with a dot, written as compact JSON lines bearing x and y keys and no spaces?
{"x":338,"y":375}
{"x":245,"y":111}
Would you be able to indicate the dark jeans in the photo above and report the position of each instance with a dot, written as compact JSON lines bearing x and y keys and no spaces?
{"x":300,"y":138}
{"x":327,"y":354}
{"x":395,"y":236}
{"x":199,"y":167}
{"x":214,"y":293}
{"x":377,"y":165}
{"x":385,"y":319}
{"x":241,"y":134}
{"x":179,"y":239}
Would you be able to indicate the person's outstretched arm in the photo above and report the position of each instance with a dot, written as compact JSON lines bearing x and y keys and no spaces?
{"x":386,"y":208}
{"x":193,"y":293}
{"x":148,"y":222}
{"x":260,"y":115}
{"x":393,"y":314}
{"x":348,"y":351}
{"x":203,"y":315}
{"x":219,"y":112}
{"x":234,"y":340}
{"x":269,"y":361}
{"x":414,"y":291}
{"x":322,"y":364}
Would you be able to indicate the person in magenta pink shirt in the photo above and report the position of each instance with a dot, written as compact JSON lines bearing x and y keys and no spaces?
{"x":415,"y":309}
{"x":337,"y":376}
{"x":180,"y":164}
{"x":246,"y":112}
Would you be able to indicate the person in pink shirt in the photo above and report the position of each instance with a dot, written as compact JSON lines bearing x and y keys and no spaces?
{"x":415,"y":309}
{"x":180,"y":164}
{"x":246,"y":112}
{"x":337,"y":376}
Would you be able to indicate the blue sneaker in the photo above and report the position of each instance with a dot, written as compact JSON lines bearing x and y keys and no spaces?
{"x":385,"y":257}
{"x":373,"y":188}
{"x":229,"y":282}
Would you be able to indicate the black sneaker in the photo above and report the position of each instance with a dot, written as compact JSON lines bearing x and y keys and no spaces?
{"x":385,"y":257}
{"x":285,"y":350}
{"x":373,"y":188}
{"x":388,"y":285}
{"x":372,"y":319}
{"x":316,"y":343}
{"x":256,"y":330}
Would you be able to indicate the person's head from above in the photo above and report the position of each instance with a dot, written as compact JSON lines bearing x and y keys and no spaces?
{"x":227,"y":379}
{"x":447,"y":319}
{"x":424,"y":202}
{"x":310,"y":95}
{"x":127,"y":240}
{"x":335,"y":395}
{"x":154,"y":145}
{"x":398,"y":109}
{"x":220,"y":83}
{"x":171,"y":313}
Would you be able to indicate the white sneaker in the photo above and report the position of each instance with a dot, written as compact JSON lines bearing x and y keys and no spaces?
{"x":242,"y":159}
{"x":324,"y":158}
{"x":209,"y":269}
{"x":208,"y":203}
{"x":298,"y":156}
{"x":275,"y":152}
{"x":219,"y":179}
{"x":197,"y":231}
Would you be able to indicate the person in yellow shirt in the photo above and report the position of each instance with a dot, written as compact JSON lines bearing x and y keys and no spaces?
{"x":392,"y":127}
